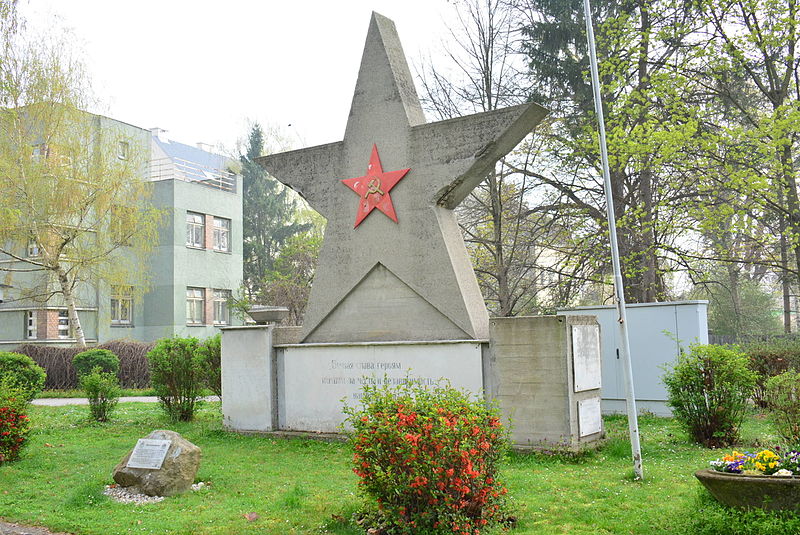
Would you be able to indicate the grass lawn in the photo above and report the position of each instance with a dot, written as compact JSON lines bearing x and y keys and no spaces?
{"x":304,"y":486}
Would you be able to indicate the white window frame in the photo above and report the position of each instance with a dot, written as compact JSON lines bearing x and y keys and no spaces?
{"x":222,"y":234}
{"x":121,"y":305}
{"x":63,"y":324}
{"x":31,"y":321}
{"x":222,"y":314}
{"x":195,"y":230}
{"x":195,"y":305}
{"x":123,"y":150}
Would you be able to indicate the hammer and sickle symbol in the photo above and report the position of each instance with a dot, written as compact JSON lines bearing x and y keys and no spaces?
{"x":373,"y":186}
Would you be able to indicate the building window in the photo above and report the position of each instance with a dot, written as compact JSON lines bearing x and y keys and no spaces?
{"x":119,"y":224}
{"x":30,"y":325}
{"x":122,"y":150}
{"x":222,"y":315}
{"x":33,"y":248}
{"x":40,"y":152}
{"x":195,"y":230}
{"x":195,"y":305}
{"x":121,"y":305}
{"x":222,"y":234}
{"x":63,"y":324}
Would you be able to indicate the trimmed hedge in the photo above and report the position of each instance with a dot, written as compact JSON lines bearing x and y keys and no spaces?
{"x":769,"y":358}
{"x":57,"y":362}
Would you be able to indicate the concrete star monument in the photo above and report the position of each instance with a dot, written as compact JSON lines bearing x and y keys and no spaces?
{"x":393,"y":264}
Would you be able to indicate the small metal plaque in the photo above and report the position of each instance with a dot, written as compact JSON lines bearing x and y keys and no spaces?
{"x":590,"y":420}
{"x":586,"y":357}
{"x":149,"y":453}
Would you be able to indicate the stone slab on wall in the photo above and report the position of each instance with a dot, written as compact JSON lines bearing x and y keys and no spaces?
{"x":313,"y":379}
{"x":656,"y":331}
{"x":529,"y":370}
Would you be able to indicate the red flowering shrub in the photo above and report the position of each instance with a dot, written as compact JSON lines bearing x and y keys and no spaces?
{"x":429,"y":459}
{"x":14,"y":427}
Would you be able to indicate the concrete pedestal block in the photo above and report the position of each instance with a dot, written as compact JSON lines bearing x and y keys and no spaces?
{"x":531,"y":370}
{"x":248,"y":378}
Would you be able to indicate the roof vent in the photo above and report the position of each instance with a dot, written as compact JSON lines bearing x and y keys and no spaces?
{"x":208,"y":147}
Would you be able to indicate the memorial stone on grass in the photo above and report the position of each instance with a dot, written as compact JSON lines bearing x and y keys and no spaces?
{"x":161,"y":464}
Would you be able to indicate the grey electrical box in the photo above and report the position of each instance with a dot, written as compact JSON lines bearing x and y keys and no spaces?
{"x":657,"y":331}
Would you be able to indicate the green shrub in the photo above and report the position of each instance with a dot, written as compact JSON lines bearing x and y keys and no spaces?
{"x":708,"y":391}
{"x":176,"y":373}
{"x":102,"y":389}
{"x":770,"y":358}
{"x":86,"y":361}
{"x":20,"y":372}
{"x":211,"y":352}
{"x":782,"y":394}
{"x":428,"y":458}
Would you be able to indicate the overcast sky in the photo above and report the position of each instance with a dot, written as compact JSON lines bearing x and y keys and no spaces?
{"x":201,"y":69}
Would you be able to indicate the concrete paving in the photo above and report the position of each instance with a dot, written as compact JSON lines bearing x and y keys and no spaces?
{"x":16,"y":529}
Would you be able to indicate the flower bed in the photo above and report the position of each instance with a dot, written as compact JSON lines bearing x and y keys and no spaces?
{"x":766,"y":480}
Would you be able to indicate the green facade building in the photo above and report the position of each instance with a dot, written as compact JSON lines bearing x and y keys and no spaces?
{"x":194,"y":269}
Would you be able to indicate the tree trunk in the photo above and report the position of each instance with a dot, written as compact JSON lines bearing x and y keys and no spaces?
{"x":503,"y":289}
{"x":72,"y":313}
{"x":736,"y":298}
{"x":785,"y":284}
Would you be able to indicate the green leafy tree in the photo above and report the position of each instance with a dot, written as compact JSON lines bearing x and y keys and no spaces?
{"x":640,"y":47}
{"x":750,"y":68}
{"x":738,"y":305}
{"x":289,"y":283}
{"x":72,"y":211}
{"x":269,"y":210}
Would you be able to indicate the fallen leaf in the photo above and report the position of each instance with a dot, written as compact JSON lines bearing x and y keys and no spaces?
{"x":138,"y":521}
{"x":48,"y":445}
{"x":337,"y":518}
{"x":251,"y":516}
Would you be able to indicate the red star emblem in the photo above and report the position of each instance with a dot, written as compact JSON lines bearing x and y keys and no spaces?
{"x":373,"y":188}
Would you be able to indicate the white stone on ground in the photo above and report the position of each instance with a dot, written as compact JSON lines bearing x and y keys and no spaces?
{"x":127,"y":495}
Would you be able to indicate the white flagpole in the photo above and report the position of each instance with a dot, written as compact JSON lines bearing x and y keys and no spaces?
{"x":633,"y":420}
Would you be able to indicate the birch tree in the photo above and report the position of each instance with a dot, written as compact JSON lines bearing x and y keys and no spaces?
{"x":74,"y":206}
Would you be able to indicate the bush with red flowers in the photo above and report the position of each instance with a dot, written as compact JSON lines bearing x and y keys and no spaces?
{"x":428,"y":458}
{"x":14,"y":427}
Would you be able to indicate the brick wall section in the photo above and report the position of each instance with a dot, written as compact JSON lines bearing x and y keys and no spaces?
{"x":209,"y":231}
{"x":41,"y":324}
{"x":47,"y":324}
{"x":209,"y":302}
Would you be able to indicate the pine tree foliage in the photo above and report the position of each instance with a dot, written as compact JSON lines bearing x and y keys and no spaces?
{"x":270,"y":216}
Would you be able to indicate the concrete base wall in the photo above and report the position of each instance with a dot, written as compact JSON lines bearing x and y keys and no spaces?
{"x":544,"y":372}
{"x":248,"y":378}
{"x":529,"y":371}
{"x":314,"y":381}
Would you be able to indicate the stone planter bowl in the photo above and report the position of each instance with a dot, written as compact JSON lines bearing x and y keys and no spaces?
{"x":773,"y":493}
{"x":264,"y":315}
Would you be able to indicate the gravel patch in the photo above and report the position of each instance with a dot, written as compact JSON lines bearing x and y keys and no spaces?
{"x":129,"y":494}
